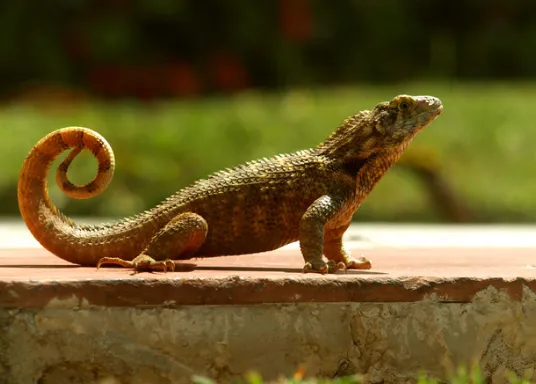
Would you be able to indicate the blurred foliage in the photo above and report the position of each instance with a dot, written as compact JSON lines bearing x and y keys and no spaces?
{"x":483,"y":143}
{"x":291,"y":70}
{"x":462,"y":375}
{"x":154,"y":48}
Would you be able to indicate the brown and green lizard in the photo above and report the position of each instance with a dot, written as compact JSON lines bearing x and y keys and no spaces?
{"x":309,"y":195}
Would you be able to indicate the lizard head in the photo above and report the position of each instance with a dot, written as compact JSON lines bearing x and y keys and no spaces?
{"x":389,"y":126}
{"x":397,"y":121}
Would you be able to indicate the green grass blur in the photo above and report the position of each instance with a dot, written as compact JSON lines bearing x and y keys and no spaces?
{"x":484,"y":141}
{"x":462,"y":375}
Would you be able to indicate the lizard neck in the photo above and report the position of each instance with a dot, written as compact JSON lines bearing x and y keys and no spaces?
{"x":373,"y":168}
{"x":367,"y":171}
{"x":357,"y":147}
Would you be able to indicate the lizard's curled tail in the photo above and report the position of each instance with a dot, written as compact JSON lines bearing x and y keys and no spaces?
{"x":39,"y":213}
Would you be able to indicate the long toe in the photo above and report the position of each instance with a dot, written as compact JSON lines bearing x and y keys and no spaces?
{"x":360,"y":263}
{"x":114,"y":261}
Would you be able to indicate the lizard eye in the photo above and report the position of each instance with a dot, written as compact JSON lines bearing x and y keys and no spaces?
{"x":403,"y":105}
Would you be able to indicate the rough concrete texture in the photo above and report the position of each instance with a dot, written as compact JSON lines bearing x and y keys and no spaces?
{"x":72,"y":325}
{"x":389,"y":342}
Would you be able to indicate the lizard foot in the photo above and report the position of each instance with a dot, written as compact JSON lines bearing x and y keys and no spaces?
{"x":140,"y":263}
{"x":323,"y":268}
{"x":359,"y":263}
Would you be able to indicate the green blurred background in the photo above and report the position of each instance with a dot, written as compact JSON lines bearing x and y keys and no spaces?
{"x":183,"y":88}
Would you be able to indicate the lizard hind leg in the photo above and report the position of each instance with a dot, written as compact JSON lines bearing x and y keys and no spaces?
{"x":181,"y":236}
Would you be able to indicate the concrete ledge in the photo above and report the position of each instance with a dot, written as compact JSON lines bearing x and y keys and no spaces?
{"x":35,"y":278}
{"x":416,"y":309}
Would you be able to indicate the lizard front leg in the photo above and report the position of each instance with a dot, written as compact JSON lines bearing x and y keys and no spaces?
{"x":335,"y":250}
{"x":312,"y":226}
{"x":182,"y":235}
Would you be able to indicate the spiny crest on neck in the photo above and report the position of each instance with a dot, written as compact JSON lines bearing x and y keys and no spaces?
{"x":354,"y":137}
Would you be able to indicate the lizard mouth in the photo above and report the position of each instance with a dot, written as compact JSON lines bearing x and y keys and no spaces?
{"x":429,"y":107}
{"x":433,"y":114}
{"x":437,"y":112}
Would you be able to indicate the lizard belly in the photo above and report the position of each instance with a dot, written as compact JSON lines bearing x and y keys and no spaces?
{"x":258,"y":232}
{"x":250,"y":223}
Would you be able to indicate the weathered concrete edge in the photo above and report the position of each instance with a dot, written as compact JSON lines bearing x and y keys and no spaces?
{"x":248,"y":291}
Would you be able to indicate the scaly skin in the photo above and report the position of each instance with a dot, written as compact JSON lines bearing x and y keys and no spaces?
{"x":259,"y":206}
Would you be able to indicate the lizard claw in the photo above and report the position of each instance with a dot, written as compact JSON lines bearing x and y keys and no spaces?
{"x":329,"y":267}
{"x":359,"y":263}
{"x":309,"y":267}
{"x":340,"y":267}
{"x":334,"y":267}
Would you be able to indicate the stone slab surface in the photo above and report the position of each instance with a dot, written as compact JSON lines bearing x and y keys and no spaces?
{"x":421,"y":307}
{"x":33,"y":278}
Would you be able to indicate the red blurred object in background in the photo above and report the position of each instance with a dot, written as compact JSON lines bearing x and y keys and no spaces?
{"x":181,"y":80}
{"x":108,"y":80}
{"x":228,"y":73}
{"x":296,"y":20}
